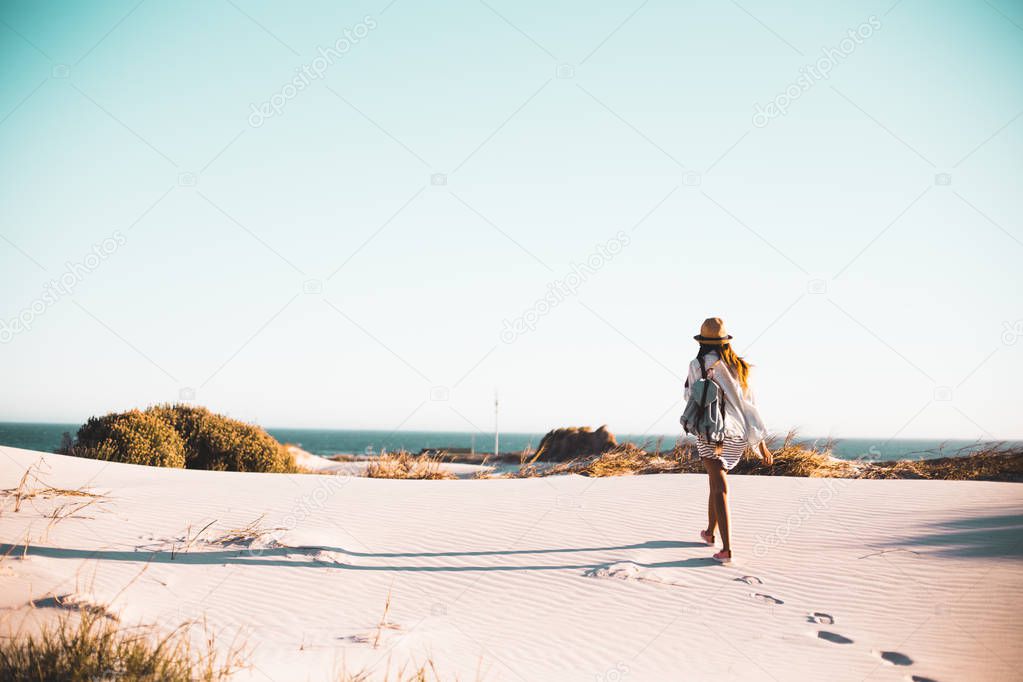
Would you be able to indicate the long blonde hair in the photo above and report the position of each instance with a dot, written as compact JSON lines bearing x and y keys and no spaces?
{"x":730,"y":358}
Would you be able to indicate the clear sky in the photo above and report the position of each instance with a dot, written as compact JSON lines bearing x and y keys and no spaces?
{"x":344,"y":214}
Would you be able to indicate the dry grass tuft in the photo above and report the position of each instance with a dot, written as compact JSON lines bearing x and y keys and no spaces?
{"x":631,"y":459}
{"x":385,"y":624}
{"x":59,"y":492}
{"x":24,"y":491}
{"x":414,"y":672}
{"x":246,"y":535}
{"x":87,"y":646}
{"x":799,"y":459}
{"x":405,"y":465}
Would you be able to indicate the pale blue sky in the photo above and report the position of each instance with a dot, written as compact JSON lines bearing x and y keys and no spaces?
{"x":874,"y":299}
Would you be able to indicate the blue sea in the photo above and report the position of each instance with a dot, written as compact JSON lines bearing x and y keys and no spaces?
{"x":47,"y":437}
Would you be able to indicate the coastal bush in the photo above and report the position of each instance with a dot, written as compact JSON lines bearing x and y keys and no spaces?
{"x":91,"y":647}
{"x":182,"y":436}
{"x":219,"y":443}
{"x":131,"y":437}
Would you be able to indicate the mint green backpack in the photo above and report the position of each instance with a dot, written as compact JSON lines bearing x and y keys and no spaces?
{"x":704,"y":415}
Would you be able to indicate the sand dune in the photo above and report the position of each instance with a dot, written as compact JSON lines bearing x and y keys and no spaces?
{"x":561,"y":578}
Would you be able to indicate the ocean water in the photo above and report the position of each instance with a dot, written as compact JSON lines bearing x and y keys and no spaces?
{"x":47,"y":437}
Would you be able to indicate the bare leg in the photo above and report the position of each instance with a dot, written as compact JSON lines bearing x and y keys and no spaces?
{"x":719,"y":498}
{"x":712,"y":517}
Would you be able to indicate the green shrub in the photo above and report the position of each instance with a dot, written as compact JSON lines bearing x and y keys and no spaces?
{"x":204,"y":440}
{"x":132,"y":437}
{"x":216,"y":442}
{"x":184,"y":419}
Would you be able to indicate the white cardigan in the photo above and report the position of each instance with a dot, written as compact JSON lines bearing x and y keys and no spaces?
{"x":742,"y":418}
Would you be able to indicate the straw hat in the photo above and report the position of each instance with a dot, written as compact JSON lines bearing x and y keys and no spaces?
{"x":712,"y":332}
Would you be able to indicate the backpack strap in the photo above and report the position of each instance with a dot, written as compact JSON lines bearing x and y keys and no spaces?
{"x":721,"y":393}
{"x":703,"y":396}
{"x":723,"y":400}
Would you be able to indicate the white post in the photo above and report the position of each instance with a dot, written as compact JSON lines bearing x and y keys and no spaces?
{"x":497,"y":433}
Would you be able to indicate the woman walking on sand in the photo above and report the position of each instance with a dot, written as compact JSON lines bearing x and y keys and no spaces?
{"x":721,"y":413}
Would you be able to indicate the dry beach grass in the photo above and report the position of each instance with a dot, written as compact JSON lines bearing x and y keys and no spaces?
{"x":86,"y":646}
{"x":793,"y":458}
{"x":87,"y":643}
{"x":407,"y":466}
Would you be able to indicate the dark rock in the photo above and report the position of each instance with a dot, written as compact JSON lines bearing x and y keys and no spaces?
{"x":560,"y":445}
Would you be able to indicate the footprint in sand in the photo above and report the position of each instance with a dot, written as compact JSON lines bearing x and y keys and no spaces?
{"x":894,"y":657}
{"x":750,"y":580}
{"x":765,"y":598}
{"x":834,"y":637}
{"x":626,"y":570}
{"x":821,"y":618}
{"x":921,"y":678}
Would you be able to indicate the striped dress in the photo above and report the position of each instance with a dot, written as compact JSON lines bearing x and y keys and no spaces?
{"x":731,"y":451}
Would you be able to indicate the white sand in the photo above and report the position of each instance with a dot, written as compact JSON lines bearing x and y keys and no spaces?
{"x":562,"y":578}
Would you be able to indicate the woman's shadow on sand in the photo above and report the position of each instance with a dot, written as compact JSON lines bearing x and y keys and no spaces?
{"x":999,"y":535}
{"x":284,"y":556}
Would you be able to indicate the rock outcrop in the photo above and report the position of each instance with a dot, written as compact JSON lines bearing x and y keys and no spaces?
{"x":560,"y":445}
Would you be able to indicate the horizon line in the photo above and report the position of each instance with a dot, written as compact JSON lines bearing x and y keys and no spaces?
{"x":542,"y":432}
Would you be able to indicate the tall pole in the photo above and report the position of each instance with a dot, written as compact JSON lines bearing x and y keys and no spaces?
{"x":497,"y":433}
